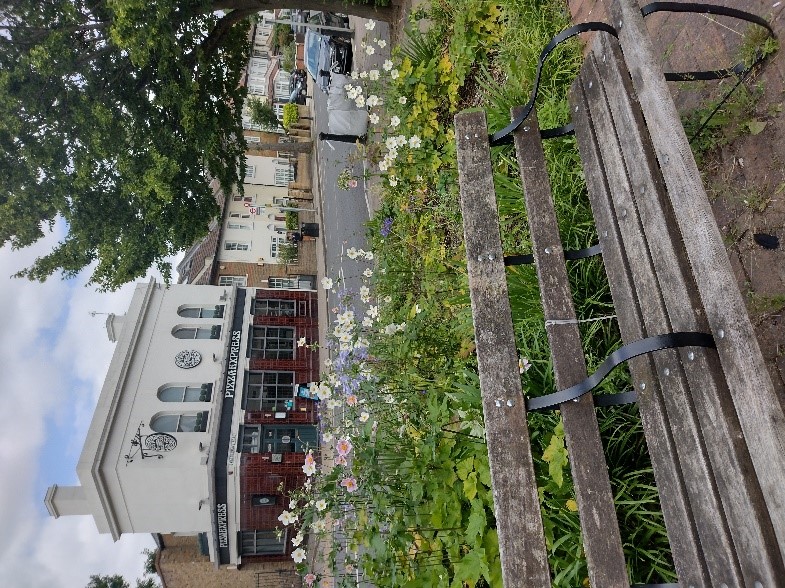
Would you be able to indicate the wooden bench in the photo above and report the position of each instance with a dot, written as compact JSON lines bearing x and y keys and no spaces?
{"x":714,"y":427}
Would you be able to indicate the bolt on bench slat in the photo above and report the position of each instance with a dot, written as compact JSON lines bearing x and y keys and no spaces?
{"x":516,"y":504}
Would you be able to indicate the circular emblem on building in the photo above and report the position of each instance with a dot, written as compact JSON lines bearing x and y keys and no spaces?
{"x":187,"y":358}
{"x":160,"y":442}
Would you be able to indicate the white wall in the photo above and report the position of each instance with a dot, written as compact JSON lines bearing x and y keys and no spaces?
{"x":253,"y":227}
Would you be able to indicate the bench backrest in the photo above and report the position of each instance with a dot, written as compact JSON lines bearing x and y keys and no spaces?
{"x":713,"y":424}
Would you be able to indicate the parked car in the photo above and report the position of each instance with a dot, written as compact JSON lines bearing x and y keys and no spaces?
{"x":298,"y":87}
{"x":325,"y":55}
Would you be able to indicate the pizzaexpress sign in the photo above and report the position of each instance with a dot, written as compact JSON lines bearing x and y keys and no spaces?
{"x":225,"y":430}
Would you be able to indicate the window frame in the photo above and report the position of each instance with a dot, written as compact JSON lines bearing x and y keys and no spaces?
{"x":233,"y":281}
{"x":195,"y":391}
{"x":267,"y":307}
{"x":186,"y":422}
{"x":205,"y":311}
{"x":213,"y":332}
{"x":262,"y":541}
{"x":259,"y":338}
{"x":257,"y":394}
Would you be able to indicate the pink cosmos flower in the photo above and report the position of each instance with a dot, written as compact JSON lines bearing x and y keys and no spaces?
{"x":309,"y":579}
{"x":340,"y":460}
{"x":352,"y":399}
{"x":309,"y":459}
{"x":343,"y":447}
{"x":350,"y":484}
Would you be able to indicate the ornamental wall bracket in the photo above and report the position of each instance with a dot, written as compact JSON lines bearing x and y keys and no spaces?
{"x":152,"y":445}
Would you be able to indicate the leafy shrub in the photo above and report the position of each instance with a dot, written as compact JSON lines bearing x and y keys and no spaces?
{"x":290,"y":115}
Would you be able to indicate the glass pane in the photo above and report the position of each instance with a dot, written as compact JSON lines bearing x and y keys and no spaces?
{"x":203,"y":333}
{"x":192,"y":393}
{"x":190,"y":312}
{"x":185,"y":333}
{"x":171,"y":394}
{"x":187,"y":423}
{"x":165,"y":423}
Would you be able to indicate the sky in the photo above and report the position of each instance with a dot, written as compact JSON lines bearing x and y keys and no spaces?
{"x":53,"y":359}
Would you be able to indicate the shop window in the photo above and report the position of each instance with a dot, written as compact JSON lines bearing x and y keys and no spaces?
{"x":272,"y":342}
{"x":272,"y":391}
{"x":262,"y":542}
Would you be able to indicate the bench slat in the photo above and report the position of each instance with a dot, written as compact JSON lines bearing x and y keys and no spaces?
{"x":516,"y":504}
{"x":760,"y":414}
{"x":693,"y":459}
{"x":685,"y":544}
{"x":599,"y":525}
{"x":742,"y":500}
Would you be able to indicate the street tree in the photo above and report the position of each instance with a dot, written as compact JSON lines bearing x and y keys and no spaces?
{"x":115,"y":118}
{"x":116,"y":581}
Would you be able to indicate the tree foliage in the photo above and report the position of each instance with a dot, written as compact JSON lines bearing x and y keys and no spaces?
{"x":262,"y":114}
{"x":115,"y":117}
{"x":116,"y":581}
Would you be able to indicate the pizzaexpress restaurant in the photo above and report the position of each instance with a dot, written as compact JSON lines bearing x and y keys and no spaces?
{"x":267,"y":421}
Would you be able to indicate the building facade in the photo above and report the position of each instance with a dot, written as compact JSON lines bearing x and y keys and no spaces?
{"x":203,"y":421}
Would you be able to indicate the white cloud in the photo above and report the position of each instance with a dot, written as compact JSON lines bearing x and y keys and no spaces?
{"x":55,"y":357}
{"x":65,"y":552}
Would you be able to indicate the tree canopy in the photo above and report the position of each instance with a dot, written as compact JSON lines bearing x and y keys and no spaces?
{"x":115,"y":117}
{"x":117,"y":581}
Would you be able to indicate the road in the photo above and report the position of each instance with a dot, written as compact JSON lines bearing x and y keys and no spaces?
{"x":343,"y":213}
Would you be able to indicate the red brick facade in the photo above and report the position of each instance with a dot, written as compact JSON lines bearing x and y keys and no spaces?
{"x":259,"y":475}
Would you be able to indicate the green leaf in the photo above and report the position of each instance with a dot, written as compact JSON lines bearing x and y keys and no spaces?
{"x":556,"y":455}
{"x":470,"y":486}
{"x":477,"y":522}
{"x":756,"y":126}
{"x":469,"y":569}
{"x":464,"y":467}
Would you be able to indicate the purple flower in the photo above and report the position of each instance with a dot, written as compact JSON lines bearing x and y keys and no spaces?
{"x":386,"y":227}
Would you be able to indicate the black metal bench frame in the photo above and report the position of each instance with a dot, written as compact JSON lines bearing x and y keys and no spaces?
{"x":714,"y":427}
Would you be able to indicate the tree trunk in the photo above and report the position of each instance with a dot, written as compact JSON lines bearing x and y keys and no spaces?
{"x":381,"y":13}
{"x":296,"y":147}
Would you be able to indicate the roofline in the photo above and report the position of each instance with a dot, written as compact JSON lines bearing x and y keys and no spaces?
{"x":111,"y":389}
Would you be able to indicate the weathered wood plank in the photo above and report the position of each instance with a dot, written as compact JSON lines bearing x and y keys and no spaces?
{"x":760,"y":414}
{"x":685,"y":544}
{"x":696,"y":469}
{"x":516,"y":504}
{"x":599,"y":524}
{"x":742,"y":501}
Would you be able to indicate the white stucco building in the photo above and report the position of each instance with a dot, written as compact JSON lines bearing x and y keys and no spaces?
{"x":202,"y":388}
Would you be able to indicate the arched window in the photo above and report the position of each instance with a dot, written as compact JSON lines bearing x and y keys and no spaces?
{"x":190,"y":422}
{"x":187,"y":332}
{"x":216,"y":311}
{"x":185,"y":393}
